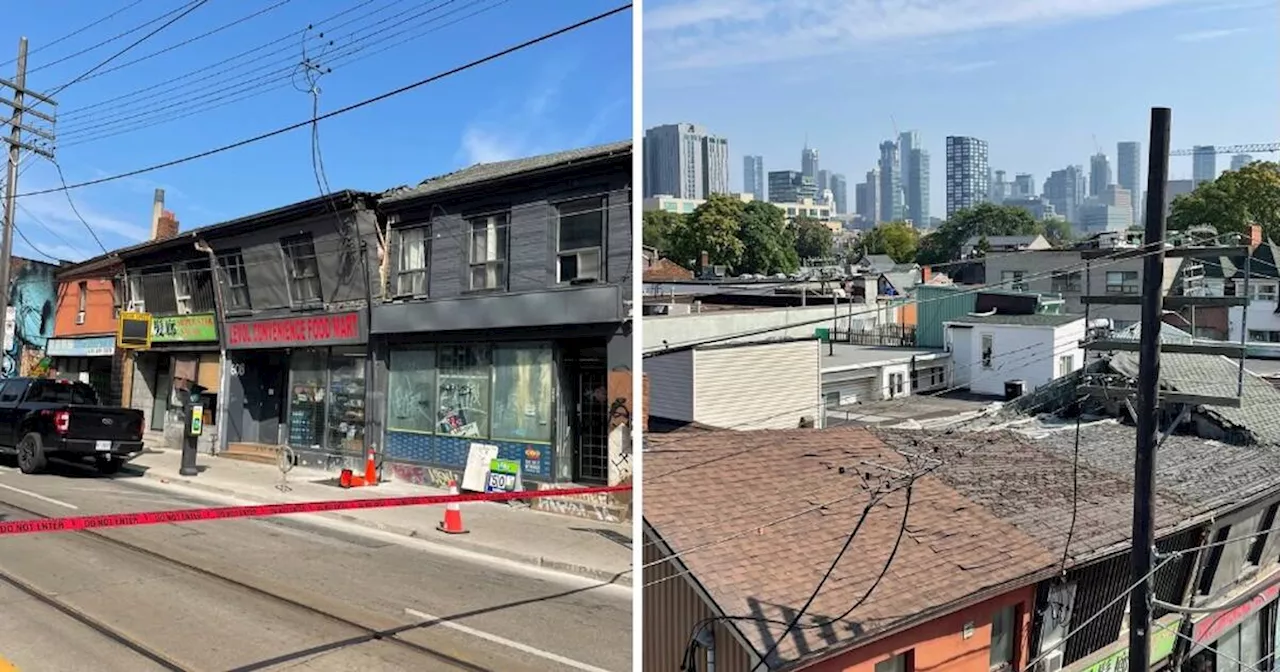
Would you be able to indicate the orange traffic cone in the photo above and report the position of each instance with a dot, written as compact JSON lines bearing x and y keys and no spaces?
{"x":371,"y":470}
{"x":344,"y":479}
{"x":452,"y":523}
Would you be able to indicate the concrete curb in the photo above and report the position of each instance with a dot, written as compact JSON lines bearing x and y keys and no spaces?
{"x":595,"y":574}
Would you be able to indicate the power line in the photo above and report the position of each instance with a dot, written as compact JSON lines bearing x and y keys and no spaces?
{"x":107,"y":41}
{"x":79,"y":30}
{"x":364,"y":103}
{"x":44,"y":226}
{"x":62,"y":178}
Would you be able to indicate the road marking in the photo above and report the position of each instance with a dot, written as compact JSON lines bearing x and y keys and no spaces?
{"x":41,"y":498}
{"x":524,"y":648}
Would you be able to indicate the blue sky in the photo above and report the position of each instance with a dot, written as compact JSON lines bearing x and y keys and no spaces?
{"x":1037,"y":79}
{"x":572,"y":91}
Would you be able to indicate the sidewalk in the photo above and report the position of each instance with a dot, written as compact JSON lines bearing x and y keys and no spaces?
{"x":591,"y":549}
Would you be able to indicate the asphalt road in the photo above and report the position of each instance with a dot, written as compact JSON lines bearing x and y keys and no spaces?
{"x":455,"y":612}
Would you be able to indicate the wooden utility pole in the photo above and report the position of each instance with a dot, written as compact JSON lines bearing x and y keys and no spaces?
{"x":16,"y":147}
{"x":1147,"y":393}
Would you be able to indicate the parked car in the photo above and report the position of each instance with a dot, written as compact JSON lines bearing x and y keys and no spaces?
{"x":62,"y":419}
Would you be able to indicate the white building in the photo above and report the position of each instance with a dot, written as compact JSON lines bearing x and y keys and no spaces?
{"x":853,"y":374}
{"x":738,"y":386}
{"x":760,"y":324}
{"x":989,"y":350}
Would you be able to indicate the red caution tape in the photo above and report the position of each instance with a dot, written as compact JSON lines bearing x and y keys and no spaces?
{"x":218,"y":513}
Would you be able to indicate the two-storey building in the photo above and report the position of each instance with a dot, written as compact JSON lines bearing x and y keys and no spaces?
{"x":508,"y":318}
{"x":86,"y":312}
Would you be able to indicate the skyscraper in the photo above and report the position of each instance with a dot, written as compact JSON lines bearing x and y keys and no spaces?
{"x":1024,"y":185}
{"x":753,"y":178}
{"x":789,"y":186}
{"x":868,"y":197}
{"x":684,"y":161}
{"x":809,"y":162}
{"x":1240,"y":161}
{"x":917,"y":193}
{"x":823,"y":180}
{"x":1065,"y":190}
{"x":1204,"y":163}
{"x":890,"y":183}
{"x":840,"y":191}
{"x":968,"y":173}
{"x":1000,"y":189}
{"x":1099,"y":174}
{"x":1129,"y":171}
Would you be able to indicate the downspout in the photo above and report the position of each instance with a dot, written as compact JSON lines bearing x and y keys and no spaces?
{"x":220,"y":327}
{"x":372,"y":386}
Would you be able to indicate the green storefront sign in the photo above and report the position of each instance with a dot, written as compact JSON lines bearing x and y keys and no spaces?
{"x":1163,"y":636}
{"x":184,"y":328}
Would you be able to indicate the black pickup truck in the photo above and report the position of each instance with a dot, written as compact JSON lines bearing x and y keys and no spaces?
{"x":42,"y":418}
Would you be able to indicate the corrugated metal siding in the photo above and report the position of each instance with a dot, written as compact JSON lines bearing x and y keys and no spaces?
{"x":448,"y":256}
{"x":670,"y":386}
{"x":937,"y":305}
{"x":671,"y":611}
{"x":618,"y":246}
{"x":763,"y":386}
{"x":532,"y":246}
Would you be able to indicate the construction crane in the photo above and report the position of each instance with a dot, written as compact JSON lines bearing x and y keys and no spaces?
{"x":1256,"y":148}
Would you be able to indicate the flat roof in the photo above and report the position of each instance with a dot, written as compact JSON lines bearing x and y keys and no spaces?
{"x":848,"y":356}
{"x":1036,"y":320}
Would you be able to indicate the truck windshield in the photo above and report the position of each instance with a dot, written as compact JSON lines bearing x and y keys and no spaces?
{"x":62,"y":392}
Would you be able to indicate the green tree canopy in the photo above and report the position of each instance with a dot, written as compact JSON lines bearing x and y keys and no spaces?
{"x":1058,"y":231}
{"x":899,"y":240}
{"x":813,"y":238}
{"x":712,"y":228}
{"x":769,"y":245}
{"x":984,"y":219}
{"x":1236,"y":199}
{"x":658,"y":225}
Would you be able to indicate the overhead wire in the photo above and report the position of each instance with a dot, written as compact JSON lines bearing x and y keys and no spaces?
{"x":81,"y":29}
{"x":349,"y":108}
{"x":107,"y":41}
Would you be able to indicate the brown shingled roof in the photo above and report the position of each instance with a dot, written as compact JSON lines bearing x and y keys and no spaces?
{"x":665,"y":270}
{"x":713,"y":496}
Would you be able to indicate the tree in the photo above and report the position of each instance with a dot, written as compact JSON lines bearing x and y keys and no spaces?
{"x":712,"y":228}
{"x":1058,"y":231}
{"x":813,"y":238}
{"x":768,"y":243}
{"x":984,"y":219}
{"x":899,"y":240}
{"x":1236,"y":199}
{"x":658,"y":225}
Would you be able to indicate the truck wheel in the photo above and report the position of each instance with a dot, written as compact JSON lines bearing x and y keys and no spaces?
{"x":31,"y":457}
{"x":108,"y":466}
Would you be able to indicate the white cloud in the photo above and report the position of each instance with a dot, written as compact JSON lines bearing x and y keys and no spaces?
{"x":1206,"y":35}
{"x":700,"y":34}
{"x":480,"y":145}
{"x":54,"y":210}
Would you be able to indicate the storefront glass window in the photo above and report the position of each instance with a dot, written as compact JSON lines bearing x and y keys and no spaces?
{"x":412,"y":391}
{"x":463,"y":391}
{"x":308,"y":371}
{"x":522,"y":396}
{"x":346,"y":400}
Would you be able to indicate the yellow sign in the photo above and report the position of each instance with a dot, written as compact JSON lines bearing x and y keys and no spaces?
{"x":134,"y":331}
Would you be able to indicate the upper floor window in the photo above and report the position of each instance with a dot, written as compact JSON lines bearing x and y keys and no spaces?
{"x":82,"y":300}
{"x":302,"y":268}
{"x":137,"y":300}
{"x":1122,"y":282}
{"x":1066,"y":282}
{"x":580,"y":236}
{"x":193,"y":287}
{"x":988,"y":350}
{"x":1262,"y":291}
{"x":234,"y":280}
{"x":117,"y":296}
{"x":1004,"y":628}
{"x":414,"y":253}
{"x":158,"y":291}
{"x":488,"y":251}
{"x":1014,"y":280}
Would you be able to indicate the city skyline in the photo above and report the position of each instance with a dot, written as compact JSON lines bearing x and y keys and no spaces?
{"x":965,"y":82}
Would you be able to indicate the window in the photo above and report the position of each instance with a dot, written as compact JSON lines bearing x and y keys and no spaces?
{"x":1014,"y":280}
{"x":56,"y":392}
{"x":1066,"y":282}
{"x":411,"y":269}
{"x":137,"y":302}
{"x":1263,"y":291}
{"x":1260,"y":541}
{"x":158,"y":291}
{"x":896,"y":384}
{"x":1212,"y":561}
{"x":1003,"y":635}
{"x":1066,"y":364}
{"x":345,"y":426}
{"x":832,"y":399}
{"x":82,"y":298}
{"x":302,"y":269}
{"x":488,"y":252}
{"x":412,"y":391}
{"x":12,"y":392}
{"x":988,"y":350}
{"x":1122,"y":282}
{"x":1263,"y":336}
{"x":523,"y":381}
{"x":462,"y":406}
{"x":898,"y":663}
{"x":235,"y":281}
{"x":192,"y":287}
{"x":117,"y":297}
{"x":580,"y":239}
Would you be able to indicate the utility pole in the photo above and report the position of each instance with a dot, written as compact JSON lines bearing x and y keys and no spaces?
{"x":16,"y":147}
{"x":1146,"y":393}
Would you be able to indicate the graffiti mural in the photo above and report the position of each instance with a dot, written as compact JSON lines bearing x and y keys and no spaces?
{"x":32,"y":304}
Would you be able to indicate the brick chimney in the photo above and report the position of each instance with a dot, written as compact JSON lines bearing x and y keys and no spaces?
{"x":704,"y":261}
{"x":926,"y":274}
{"x":166,"y":226}
{"x":1255,"y":235}
{"x":157,"y":211}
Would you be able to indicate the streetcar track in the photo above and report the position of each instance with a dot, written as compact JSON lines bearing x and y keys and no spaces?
{"x":369,"y":634}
